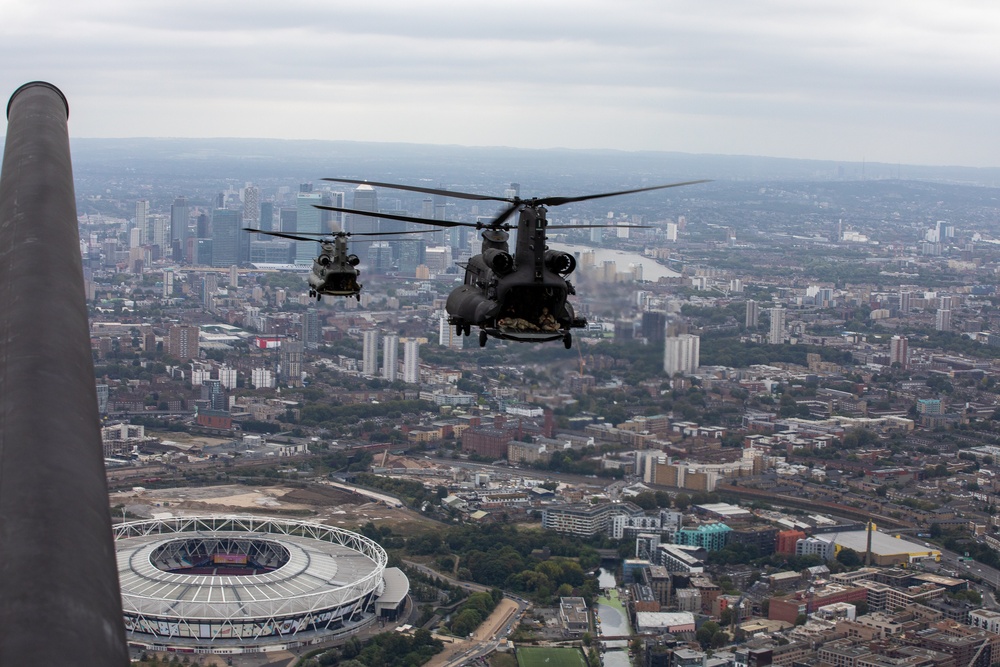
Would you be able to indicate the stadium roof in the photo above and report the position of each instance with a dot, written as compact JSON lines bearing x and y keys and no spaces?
{"x":397,"y":586}
{"x":326,"y":568}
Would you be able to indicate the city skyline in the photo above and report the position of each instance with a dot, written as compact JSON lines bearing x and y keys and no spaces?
{"x":897,"y":83}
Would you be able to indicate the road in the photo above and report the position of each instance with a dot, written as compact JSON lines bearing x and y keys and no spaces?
{"x":490,"y":632}
{"x":467,"y":585}
{"x":485,"y":639}
{"x":990,"y":576}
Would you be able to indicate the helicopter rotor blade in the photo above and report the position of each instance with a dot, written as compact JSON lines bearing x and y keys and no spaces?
{"x":415,"y":231}
{"x":504,"y":214}
{"x":559,"y":201}
{"x":294,"y":237}
{"x":393,"y":216}
{"x":417,"y":188}
{"x":598,"y":226}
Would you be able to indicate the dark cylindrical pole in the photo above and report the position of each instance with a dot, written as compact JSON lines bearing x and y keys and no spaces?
{"x":59,"y":598}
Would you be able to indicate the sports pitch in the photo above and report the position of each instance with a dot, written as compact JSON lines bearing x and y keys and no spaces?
{"x":550,"y":657}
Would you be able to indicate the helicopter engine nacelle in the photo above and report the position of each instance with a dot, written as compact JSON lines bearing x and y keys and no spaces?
{"x":323,"y":260}
{"x":501,"y":262}
{"x":562,"y":263}
{"x":353,"y":260}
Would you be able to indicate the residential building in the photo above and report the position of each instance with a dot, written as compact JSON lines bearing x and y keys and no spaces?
{"x":681,"y":354}
{"x":584,"y":519}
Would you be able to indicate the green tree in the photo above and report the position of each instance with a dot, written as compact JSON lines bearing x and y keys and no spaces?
{"x":682,"y":501}
{"x":848,"y":558}
{"x":706,"y":632}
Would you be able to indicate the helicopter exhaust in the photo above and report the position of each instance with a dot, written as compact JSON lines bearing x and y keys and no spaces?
{"x":59,"y":595}
{"x":562,"y":263}
{"x":501,"y":262}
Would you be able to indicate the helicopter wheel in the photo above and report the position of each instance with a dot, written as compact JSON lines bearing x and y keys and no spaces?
{"x":458,"y":329}
{"x":357,"y":296}
{"x":319,"y":297}
{"x":482,"y":338}
{"x":312,"y":293}
{"x":467,"y":328}
{"x":568,"y":340}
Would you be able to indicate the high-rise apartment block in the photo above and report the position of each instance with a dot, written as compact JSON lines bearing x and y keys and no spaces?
{"x":411,"y":361}
{"x":291,"y":363}
{"x":369,"y":353}
{"x":390,"y":357}
{"x":904,"y":301}
{"x":183,"y":342}
{"x":943,"y":320}
{"x":681,"y":354}
{"x":899,"y":351}
{"x":776,"y":336}
{"x":447,"y":336}
{"x":753,"y":314}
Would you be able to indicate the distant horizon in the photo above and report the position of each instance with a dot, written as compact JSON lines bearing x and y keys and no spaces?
{"x":551,"y":150}
{"x":891,"y":82}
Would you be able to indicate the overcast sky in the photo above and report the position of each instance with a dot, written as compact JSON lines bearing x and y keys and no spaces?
{"x":899,"y":81}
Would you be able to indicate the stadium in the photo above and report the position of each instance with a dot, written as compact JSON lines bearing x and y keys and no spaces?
{"x":234,"y":584}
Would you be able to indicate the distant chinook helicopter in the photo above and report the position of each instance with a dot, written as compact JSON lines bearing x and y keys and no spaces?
{"x":334,"y":271}
{"x":520,"y":297}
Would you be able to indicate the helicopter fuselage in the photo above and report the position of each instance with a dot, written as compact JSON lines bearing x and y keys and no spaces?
{"x":520,"y":297}
{"x":334,"y":272}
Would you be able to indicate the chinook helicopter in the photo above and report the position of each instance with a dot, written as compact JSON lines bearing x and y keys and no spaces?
{"x":334,"y":271}
{"x":519,"y":296}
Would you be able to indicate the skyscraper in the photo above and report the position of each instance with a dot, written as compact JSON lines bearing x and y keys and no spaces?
{"x":251,"y":206}
{"x":390,"y":357}
{"x":226,"y":235}
{"x":411,"y":361}
{"x":267,"y":216}
{"x":369,"y":352}
{"x":776,"y":335}
{"x":179,"y":214}
{"x":288,"y":220}
{"x":141,"y":217}
{"x":308,"y":220}
{"x":681,"y":354}
{"x":365,"y":199}
{"x":654,"y":326}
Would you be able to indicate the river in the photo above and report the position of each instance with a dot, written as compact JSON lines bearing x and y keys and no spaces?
{"x":612,"y":621}
{"x":651,"y":269}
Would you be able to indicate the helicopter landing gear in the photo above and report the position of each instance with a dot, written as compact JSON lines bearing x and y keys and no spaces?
{"x":312,"y":293}
{"x":319,"y":297}
{"x":482,"y":338}
{"x":357,"y":296}
{"x":568,"y":340}
{"x":467,"y":328}
{"x":458,"y":329}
